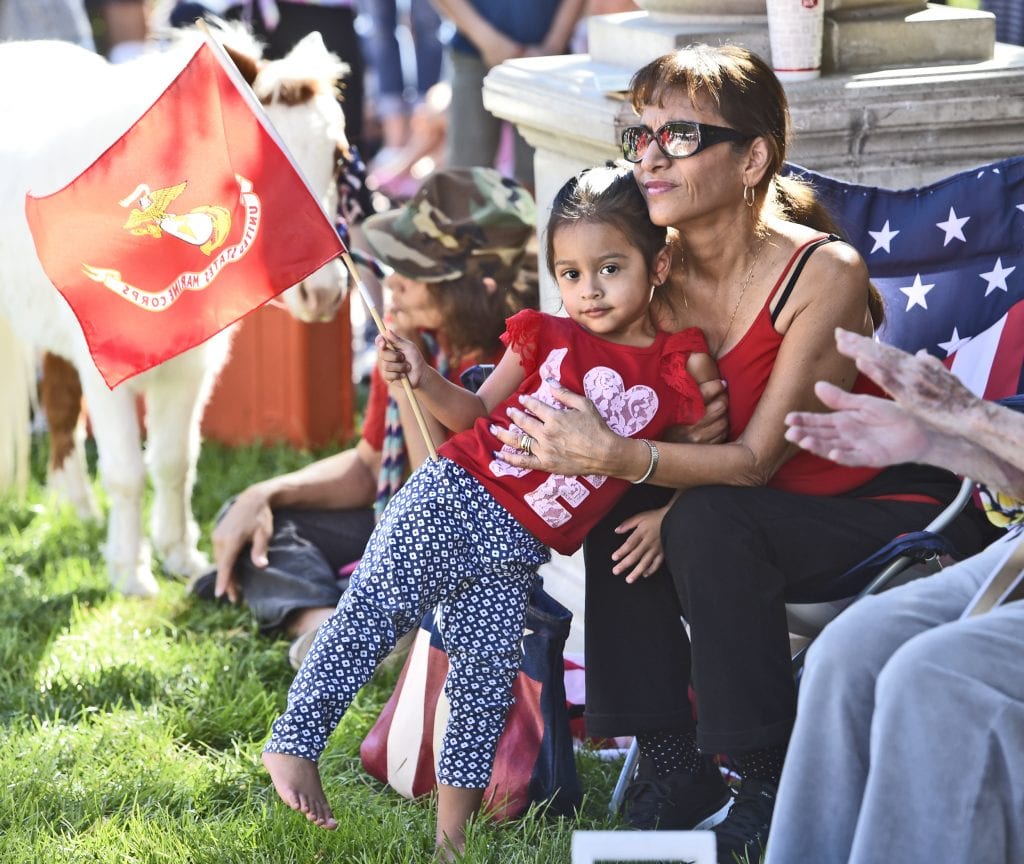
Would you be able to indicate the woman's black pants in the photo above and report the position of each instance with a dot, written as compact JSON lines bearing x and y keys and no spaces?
{"x":734,"y":557}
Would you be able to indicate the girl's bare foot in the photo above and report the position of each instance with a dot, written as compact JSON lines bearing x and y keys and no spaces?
{"x":297,"y":782}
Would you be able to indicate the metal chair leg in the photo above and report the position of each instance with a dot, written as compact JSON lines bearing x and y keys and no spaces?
{"x":632,"y":755}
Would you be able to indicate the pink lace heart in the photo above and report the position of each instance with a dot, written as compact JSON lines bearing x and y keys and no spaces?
{"x":627,"y":412}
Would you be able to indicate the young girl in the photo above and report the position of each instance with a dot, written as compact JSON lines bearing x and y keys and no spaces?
{"x":469,"y":531}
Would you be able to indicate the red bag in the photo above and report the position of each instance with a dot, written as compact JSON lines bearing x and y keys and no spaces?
{"x":534,"y":760}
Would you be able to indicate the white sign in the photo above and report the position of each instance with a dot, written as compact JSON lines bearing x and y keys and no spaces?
{"x":625,"y":847}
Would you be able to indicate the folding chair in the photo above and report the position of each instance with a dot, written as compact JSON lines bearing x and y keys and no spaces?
{"x":948,"y":259}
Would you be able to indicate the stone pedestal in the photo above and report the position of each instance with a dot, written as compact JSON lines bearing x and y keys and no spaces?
{"x":860,"y":35}
{"x":899,"y":126}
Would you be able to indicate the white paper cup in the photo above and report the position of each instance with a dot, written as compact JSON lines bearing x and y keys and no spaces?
{"x":795,"y":29}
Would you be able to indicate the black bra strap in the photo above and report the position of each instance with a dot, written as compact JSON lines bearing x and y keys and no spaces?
{"x":797,"y":270}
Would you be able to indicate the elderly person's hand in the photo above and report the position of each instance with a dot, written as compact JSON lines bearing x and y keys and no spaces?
{"x":920,"y":383}
{"x":927,"y":405}
{"x":861,"y":430}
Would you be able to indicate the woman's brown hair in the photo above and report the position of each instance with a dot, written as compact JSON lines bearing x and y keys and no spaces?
{"x":751,"y":100}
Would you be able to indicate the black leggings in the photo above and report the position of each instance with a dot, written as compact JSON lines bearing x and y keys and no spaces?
{"x":735,"y":556}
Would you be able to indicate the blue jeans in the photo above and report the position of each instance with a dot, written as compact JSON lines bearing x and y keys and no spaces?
{"x":387,"y":55}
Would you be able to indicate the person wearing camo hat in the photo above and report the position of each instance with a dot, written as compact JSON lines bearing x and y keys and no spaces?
{"x":461,"y":221}
{"x":458,"y":249}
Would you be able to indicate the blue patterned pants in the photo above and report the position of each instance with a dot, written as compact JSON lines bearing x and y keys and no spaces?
{"x":442,"y":540}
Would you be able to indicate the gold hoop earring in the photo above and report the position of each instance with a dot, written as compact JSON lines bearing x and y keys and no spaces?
{"x":749,"y":201}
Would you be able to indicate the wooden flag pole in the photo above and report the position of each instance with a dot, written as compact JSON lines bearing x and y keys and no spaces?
{"x":375,"y":315}
{"x":345,"y":257}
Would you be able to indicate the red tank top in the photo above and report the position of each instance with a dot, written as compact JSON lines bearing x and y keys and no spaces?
{"x":640,"y":392}
{"x":747,"y":367}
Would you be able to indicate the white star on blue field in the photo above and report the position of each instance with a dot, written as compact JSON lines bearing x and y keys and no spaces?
{"x":947,"y":259}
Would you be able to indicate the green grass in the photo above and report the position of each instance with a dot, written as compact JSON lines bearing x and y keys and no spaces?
{"x":132,"y":728}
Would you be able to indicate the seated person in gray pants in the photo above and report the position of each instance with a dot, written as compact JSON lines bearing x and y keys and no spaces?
{"x":909,"y":736}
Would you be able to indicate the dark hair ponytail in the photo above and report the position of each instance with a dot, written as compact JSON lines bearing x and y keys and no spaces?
{"x":796,"y":201}
{"x":606,"y":195}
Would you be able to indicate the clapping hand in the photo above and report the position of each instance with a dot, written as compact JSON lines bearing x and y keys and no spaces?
{"x":870,"y":431}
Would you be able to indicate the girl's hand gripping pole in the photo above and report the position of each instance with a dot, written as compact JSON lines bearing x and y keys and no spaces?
{"x":375,"y":315}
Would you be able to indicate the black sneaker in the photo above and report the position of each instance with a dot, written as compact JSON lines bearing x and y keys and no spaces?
{"x":203,"y":585}
{"x":679,"y":802}
{"x":743,"y":834}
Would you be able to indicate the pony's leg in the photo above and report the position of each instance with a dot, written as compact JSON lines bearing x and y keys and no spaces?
{"x":60,"y":394}
{"x":17,"y":389}
{"x":115,"y":425}
{"x":175,"y":398}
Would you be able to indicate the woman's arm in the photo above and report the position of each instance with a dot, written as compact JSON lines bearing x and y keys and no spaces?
{"x":577,"y":441}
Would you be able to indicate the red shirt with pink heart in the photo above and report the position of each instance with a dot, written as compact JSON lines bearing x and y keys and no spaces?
{"x":640,"y":392}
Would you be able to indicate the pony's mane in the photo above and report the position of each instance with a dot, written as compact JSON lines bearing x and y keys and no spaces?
{"x":308,"y":70}
{"x":231,"y":34}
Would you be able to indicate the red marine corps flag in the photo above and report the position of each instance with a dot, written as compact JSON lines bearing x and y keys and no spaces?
{"x":194,"y":217}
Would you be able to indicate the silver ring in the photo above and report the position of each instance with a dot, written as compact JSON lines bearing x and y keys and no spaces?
{"x":526,"y":444}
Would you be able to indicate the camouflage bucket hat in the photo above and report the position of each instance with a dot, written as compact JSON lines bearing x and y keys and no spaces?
{"x":460,"y":221}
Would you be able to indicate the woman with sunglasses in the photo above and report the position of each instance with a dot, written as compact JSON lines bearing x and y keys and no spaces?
{"x":753,"y":522}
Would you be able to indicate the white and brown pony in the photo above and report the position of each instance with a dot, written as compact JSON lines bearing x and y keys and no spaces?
{"x":61,"y":107}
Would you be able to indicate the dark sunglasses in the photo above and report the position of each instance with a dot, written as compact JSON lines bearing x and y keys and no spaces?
{"x":677,"y":139}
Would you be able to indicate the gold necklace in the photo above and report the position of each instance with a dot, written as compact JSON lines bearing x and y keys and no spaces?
{"x":743,"y":291}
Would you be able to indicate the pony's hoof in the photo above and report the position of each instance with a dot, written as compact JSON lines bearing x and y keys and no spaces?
{"x":137,"y":583}
{"x":186,"y":562}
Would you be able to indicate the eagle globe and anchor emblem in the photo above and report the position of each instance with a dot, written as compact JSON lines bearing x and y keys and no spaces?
{"x":205,"y":227}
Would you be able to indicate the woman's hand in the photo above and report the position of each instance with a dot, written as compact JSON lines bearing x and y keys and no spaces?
{"x":248,"y":520}
{"x":573,"y":440}
{"x":397,"y":356}
{"x":641,"y":555}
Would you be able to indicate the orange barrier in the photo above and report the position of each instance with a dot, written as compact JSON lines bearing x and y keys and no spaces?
{"x":285,"y":382}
